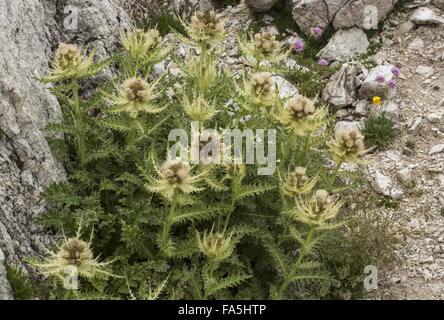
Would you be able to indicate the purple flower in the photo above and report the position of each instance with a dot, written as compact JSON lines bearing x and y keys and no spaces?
{"x":318,"y":31}
{"x":323,"y":62}
{"x":393,"y":84}
{"x":299,"y":46}
{"x":396,"y":71}
{"x":380,"y":79}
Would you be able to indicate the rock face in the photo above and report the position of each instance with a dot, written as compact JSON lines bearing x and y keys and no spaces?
{"x":364,"y":14}
{"x":345,"y":44}
{"x":30,"y":31}
{"x":439,"y":3}
{"x":261,"y":5}
{"x":340,"y":90}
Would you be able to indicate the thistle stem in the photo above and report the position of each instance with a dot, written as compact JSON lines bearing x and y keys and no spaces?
{"x":77,"y":120}
{"x":168,"y":223}
{"x":333,"y":177}
{"x":295,"y":265}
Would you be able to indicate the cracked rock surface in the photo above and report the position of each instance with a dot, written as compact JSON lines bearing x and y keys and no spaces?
{"x":30,"y":30}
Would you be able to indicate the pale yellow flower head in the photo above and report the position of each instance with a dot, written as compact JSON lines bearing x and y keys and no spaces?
{"x":301,"y":117}
{"x":135,"y":95}
{"x":73,"y":253}
{"x":260,"y":89}
{"x":317,"y":210}
{"x":266,"y":43}
{"x":174,"y":176}
{"x":215,"y":245}
{"x":262,"y":47}
{"x":139,"y":43}
{"x":206,"y":26}
{"x":300,"y":107}
{"x":348,"y":146}
{"x":199,"y":109}
{"x":70,"y":63}
{"x":298,"y":183}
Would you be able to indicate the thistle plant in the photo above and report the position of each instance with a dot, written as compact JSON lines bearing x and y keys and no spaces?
{"x":139,"y":43}
{"x":205,"y":27}
{"x":135,"y":96}
{"x":348,"y":146}
{"x":198,"y":109}
{"x":263,"y":47}
{"x":70,"y":62}
{"x":301,"y":117}
{"x":174,"y":176}
{"x":73,"y":253}
{"x":298,"y":183}
{"x":258,"y":91}
{"x":150,"y":213}
{"x":315,"y":212}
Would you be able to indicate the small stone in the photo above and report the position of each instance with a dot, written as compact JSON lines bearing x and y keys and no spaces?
{"x":384,"y":184}
{"x":416,"y":44}
{"x":434,"y":117}
{"x":406,"y":27}
{"x":425,"y":15}
{"x":416,"y":126}
{"x":342,"y":113}
{"x":437,"y":149}
{"x":405,"y":177}
{"x":361,"y":108}
{"x":284,"y":87}
{"x":347,"y":126}
{"x":425,"y":70}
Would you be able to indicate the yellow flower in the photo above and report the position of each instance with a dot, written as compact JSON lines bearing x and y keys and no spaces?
{"x":377,"y":100}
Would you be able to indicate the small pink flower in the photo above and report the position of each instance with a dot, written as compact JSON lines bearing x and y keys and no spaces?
{"x":393,"y":84}
{"x":318,"y":31}
{"x":380,"y":79}
{"x":323,"y":62}
{"x":299,"y":46}
{"x":396,"y":71}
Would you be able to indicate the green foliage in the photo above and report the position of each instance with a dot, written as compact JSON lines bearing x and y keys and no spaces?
{"x":165,"y":24}
{"x":217,"y":231}
{"x":379,"y":130}
{"x":226,"y":3}
{"x":367,"y":239}
{"x":22,"y":288}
